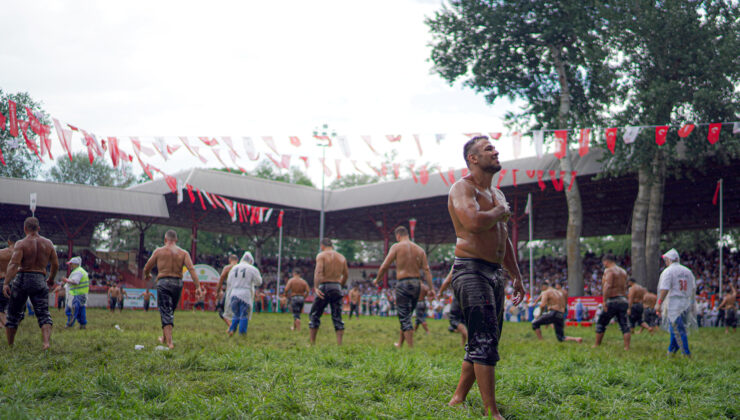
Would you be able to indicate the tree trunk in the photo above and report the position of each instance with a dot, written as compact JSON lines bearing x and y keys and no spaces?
{"x":639,"y":220}
{"x":573,"y":194}
{"x":654,"y":223}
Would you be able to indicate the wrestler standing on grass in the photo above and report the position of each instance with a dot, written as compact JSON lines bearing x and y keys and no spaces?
{"x":169,"y":259}
{"x":479,"y":213}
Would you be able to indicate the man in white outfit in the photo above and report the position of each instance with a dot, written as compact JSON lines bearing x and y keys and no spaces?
{"x":676,"y":298}
{"x":243,"y":279}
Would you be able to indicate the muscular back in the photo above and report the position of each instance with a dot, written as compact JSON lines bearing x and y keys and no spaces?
{"x":637,"y":293}
{"x":476,"y":239}
{"x":554,"y":300}
{"x":615,"y":282}
{"x":5,"y":255}
{"x":36,"y":252}
{"x":410,"y":260}
{"x":331,"y":267}
{"x":649,"y":299}
{"x":170,"y":260}
{"x":296,"y":287}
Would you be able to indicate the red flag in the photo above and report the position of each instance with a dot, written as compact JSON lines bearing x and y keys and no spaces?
{"x":412,"y":227}
{"x":144,"y":166}
{"x":207,"y":141}
{"x":217,"y":200}
{"x":611,"y":138}
{"x":13,"y":118}
{"x":45,"y":141}
{"x":65,"y":137}
{"x":660,"y":134}
{"x":2,"y":160}
{"x":34,"y":122}
{"x":295,"y":141}
{"x":200,"y":196}
{"x":29,"y":143}
{"x":2,"y":121}
{"x":501,"y":176}
{"x":685,"y":130}
{"x":396,"y":170}
{"x":305,"y":160}
{"x":540,"y":182}
{"x":716,"y":193}
{"x":424,"y":175}
{"x":530,"y":173}
{"x":391,"y":138}
{"x":171,"y":182}
{"x":377,"y":171}
{"x":384,"y":170}
{"x":73,"y":128}
{"x":573,"y":175}
{"x":337,"y":163}
{"x":280,"y":219}
{"x":561,"y":143}
{"x":113,"y":149}
{"x":513,"y":174}
{"x":583,"y":141}
{"x":190,"y":193}
{"x":229,"y":208}
{"x":494,"y":136}
{"x":239,"y":211}
{"x":443,"y":178}
{"x":368,"y":141}
{"x":229,"y":144}
{"x":557,"y":183}
{"x":418,"y":144}
{"x":413,"y":173}
{"x":714,"y":130}
{"x":451,"y":175}
{"x":218,"y":157}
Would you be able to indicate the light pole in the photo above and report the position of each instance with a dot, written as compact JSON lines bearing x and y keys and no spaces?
{"x":321,"y":135}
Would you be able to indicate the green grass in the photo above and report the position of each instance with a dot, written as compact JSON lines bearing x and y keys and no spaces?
{"x":96,"y":373}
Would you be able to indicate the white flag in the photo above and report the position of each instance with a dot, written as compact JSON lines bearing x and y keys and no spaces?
{"x":161,"y":147}
{"x":33,"y":202}
{"x":630,"y":134}
{"x":249,"y":148}
{"x":528,"y":208}
{"x":538,"y":136}
{"x":344,"y":144}
{"x":180,"y":186}
{"x":267,"y":215}
{"x":736,"y":128}
{"x":439,"y":138}
{"x":516,"y":138}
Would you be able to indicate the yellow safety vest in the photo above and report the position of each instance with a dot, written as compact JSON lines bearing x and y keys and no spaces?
{"x":83,"y":287}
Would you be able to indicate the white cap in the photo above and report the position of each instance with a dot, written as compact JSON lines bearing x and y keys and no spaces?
{"x":672,"y":254}
{"x":75,"y":260}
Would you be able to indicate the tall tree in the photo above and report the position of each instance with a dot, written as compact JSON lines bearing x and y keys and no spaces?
{"x":547,"y":53}
{"x":20,"y":162}
{"x":679,"y":63}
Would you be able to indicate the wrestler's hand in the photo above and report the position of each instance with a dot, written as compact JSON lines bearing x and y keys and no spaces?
{"x":6,"y":290}
{"x":629,"y":311}
{"x":519,"y":291}
{"x":501,"y":213}
{"x":318,"y":292}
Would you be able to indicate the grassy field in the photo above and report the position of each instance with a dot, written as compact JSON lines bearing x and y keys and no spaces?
{"x":96,"y":373}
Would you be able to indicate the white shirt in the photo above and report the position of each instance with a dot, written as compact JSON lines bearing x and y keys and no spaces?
{"x":242,"y":280}
{"x":681,"y":286}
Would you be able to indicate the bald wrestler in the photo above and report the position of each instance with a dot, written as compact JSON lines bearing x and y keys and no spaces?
{"x":114,"y":295}
{"x":5,"y":255}
{"x":479,"y":213}
{"x":555,"y":301}
{"x":635,"y":295}
{"x":170,"y":260}
{"x":330,"y":275}
{"x":355,"y":298}
{"x":614,"y":286}
{"x":649,"y":317}
{"x":27,"y":272}
{"x":455,"y":314}
{"x":223,"y":311}
{"x":729,"y":304}
{"x":410,"y":261}
{"x":296,"y":290}
{"x":421,"y":309}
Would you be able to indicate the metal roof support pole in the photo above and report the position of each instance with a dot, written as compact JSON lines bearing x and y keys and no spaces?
{"x":194,"y":245}
{"x":70,"y":237}
{"x":70,"y":249}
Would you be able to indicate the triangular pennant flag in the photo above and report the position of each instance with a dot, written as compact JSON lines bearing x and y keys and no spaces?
{"x":368,"y":141}
{"x":138,"y":148}
{"x":190,"y":193}
{"x":714,"y":130}
{"x":305,"y":160}
{"x":274,"y":160}
{"x":295,"y":141}
{"x":327,"y":171}
{"x":179,"y":191}
{"x":377,"y":171}
{"x":161,"y":147}
{"x":197,"y":153}
{"x":337,"y":163}
{"x":463,"y":172}
{"x":424,"y":175}
{"x":418,"y":144}
{"x":393,"y":138}
{"x":208,"y":141}
{"x":513,"y":175}
{"x":501,"y":176}
{"x":441,"y":175}
{"x":530,"y":172}
{"x":583,"y":141}
{"x":561,"y":143}
{"x":495,"y":136}
{"x":229,"y":207}
{"x":451,"y":175}
{"x":516,"y":140}
{"x":384,"y":170}
{"x":573,"y":175}
{"x":233,"y":156}
{"x":229,"y":144}
{"x":538,"y":137}
{"x":216,"y":200}
{"x":716,"y":193}
{"x":557,"y":183}
{"x":413,"y":173}
{"x":660,"y":134}
{"x":344,"y":145}
{"x":172,"y":149}
{"x":240,"y":212}
{"x":357,"y":168}
{"x":185,"y":141}
{"x":249,"y":148}
{"x":33,"y":122}
{"x":540,"y":182}
{"x":280,"y":219}
{"x":528,"y":207}
{"x":439,"y":138}
{"x":13,"y":118}
{"x":611,"y":138}
{"x":630,"y":134}
{"x":217,"y":153}
{"x":171,"y":182}
{"x":396,"y":170}
{"x":200,"y":197}
{"x":285,"y":161}
{"x":144,"y":166}
{"x":113,"y":150}
{"x":267,"y":215}
{"x":685,"y":130}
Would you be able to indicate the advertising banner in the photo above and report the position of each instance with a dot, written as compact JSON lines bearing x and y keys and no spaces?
{"x":208,"y":277}
{"x":134,"y":298}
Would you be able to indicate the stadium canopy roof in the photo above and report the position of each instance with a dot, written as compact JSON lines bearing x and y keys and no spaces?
{"x":371,"y":212}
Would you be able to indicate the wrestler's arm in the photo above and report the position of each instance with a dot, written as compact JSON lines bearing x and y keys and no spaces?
{"x":446,"y":283}
{"x":318,"y":275}
{"x":427,"y":273}
{"x":191,"y":269}
{"x":13,"y":265}
{"x":150,"y":264}
{"x":468,"y":211}
{"x":512,"y":268}
{"x":224,"y":275}
{"x":606,"y":285}
{"x":54,"y":266}
{"x":386,"y":264}
{"x":630,"y":299}
{"x":345,"y":273}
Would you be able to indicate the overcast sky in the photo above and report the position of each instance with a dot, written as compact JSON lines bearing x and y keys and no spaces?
{"x":173,"y":68}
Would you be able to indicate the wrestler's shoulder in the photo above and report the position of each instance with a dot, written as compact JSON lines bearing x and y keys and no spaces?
{"x":462,"y":185}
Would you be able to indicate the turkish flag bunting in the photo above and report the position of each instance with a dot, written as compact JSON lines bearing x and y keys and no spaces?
{"x":561,"y":142}
{"x":229,"y":208}
{"x":138,"y":148}
{"x":144,"y":166}
{"x":418,"y":144}
{"x":611,"y":138}
{"x":249,"y":148}
{"x":501,"y":176}
{"x":424,"y":175}
{"x":513,"y":175}
{"x":229,"y":144}
{"x":495,"y":136}
{"x":217,"y":199}
{"x":2,"y":159}
{"x":31,"y":144}
{"x":377,"y":171}
{"x":344,"y":144}
{"x":275,"y":161}
{"x":305,"y":160}
{"x":65,"y":137}
{"x":34,"y":122}
{"x":295,"y":141}
{"x":208,"y":142}
{"x":396,"y":170}
{"x":185,"y":141}
{"x":337,"y":164}
{"x":384,"y":170}
{"x":530,"y":173}
{"x":451,"y":175}
{"x":13,"y":118}
{"x":583,"y":141}
{"x":2,"y":121}
{"x":113,"y":149}
{"x":197,"y":153}
{"x":270,"y":142}
{"x":200,"y":197}
{"x":660,"y":134}
{"x":218,"y":156}
{"x":572,"y":179}
{"x":239,"y":210}
{"x":443,"y":178}
{"x":391,"y":138}
{"x":713,"y":135}
{"x":171,"y":182}
{"x":46,"y":141}
{"x":357,"y":168}
{"x":413,"y":173}
{"x":190,"y":193}
{"x":540,"y":182}
{"x":716,"y":193}
{"x":172,"y":149}
{"x":280,"y":218}
{"x":557,"y":183}
{"x":685,"y":130}
{"x":327,"y":171}
{"x":368,"y":141}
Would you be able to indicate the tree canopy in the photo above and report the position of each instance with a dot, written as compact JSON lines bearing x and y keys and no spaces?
{"x":20,"y":162}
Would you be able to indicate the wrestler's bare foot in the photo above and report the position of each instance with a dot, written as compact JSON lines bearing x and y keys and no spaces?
{"x":594,"y":346}
{"x":397,"y":345}
{"x":170,"y":346}
{"x":160,"y":339}
{"x":455,"y":401}
{"x":579,"y":340}
{"x":231,"y":333}
{"x":46,"y":346}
